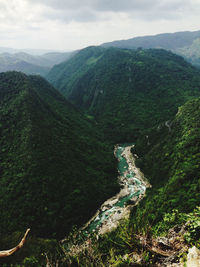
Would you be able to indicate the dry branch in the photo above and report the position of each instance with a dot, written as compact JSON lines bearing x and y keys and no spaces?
{"x":9,"y":252}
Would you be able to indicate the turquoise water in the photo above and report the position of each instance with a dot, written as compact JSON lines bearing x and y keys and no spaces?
{"x":124,"y":201}
{"x":122,"y":164}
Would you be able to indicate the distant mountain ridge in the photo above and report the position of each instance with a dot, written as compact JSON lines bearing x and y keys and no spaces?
{"x":32,"y":64}
{"x":33,"y":51}
{"x":183,"y":43}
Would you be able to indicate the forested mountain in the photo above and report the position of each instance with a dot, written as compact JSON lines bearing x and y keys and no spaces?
{"x":182,"y":43}
{"x":169,"y":216}
{"x":55,"y":166}
{"x":32,"y":64}
{"x":170,"y":159}
{"x":126,"y":91}
{"x":66,"y":74}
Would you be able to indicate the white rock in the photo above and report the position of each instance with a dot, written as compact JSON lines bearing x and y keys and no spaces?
{"x":193,"y":257}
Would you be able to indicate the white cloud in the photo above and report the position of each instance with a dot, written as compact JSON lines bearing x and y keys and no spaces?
{"x":68,"y":24}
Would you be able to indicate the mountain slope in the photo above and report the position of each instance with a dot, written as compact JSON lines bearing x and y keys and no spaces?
{"x":182,"y":43}
{"x":171,"y":161}
{"x":167,"y":221}
{"x":66,"y":74}
{"x":126,"y":91}
{"x":55,"y":167}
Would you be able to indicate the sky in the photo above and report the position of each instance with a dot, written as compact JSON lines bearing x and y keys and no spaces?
{"x":73,"y":24}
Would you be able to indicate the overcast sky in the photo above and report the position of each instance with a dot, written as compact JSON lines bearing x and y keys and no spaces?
{"x":73,"y":24}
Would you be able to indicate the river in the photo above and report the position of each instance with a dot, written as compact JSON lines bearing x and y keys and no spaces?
{"x":133,"y":187}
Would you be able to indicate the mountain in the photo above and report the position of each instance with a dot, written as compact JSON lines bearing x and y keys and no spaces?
{"x":170,"y":160}
{"x":166,"y":223}
{"x":126,"y":91}
{"x":67,"y":73}
{"x":54,"y":58}
{"x":56,"y":168}
{"x":182,"y":43}
{"x":32,"y":64}
{"x":46,"y":60}
{"x":13,"y":63}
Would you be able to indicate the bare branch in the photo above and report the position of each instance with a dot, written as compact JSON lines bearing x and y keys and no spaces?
{"x":9,"y":252}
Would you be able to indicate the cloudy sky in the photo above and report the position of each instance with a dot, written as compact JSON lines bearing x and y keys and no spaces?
{"x":73,"y":24}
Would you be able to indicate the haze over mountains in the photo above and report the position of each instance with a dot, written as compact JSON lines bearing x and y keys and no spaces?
{"x":31,"y":64}
{"x":35,"y":52}
{"x":40,"y":62}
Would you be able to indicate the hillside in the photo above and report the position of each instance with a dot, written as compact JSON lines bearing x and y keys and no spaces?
{"x":182,"y":43}
{"x":167,"y":222}
{"x":65,"y":75}
{"x":126,"y":91}
{"x":171,"y":162}
{"x":56,"y":168}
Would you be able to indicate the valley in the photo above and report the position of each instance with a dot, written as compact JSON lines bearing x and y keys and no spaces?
{"x":58,"y":167}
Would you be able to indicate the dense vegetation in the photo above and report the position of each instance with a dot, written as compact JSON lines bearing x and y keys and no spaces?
{"x":171,"y":161}
{"x":126,"y":91}
{"x":55,"y":167}
{"x":66,"y":74}
{"x":182,"y":43}
{"x":170,"y":158}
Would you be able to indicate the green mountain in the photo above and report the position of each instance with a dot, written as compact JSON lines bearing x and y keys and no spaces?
{"x":126,"y":91}
{"x":165,"y":223}
{"x":182,"y":43}
{"x":66,"y":74}
{"x":55,"y":168}
{"x":170,"y":159}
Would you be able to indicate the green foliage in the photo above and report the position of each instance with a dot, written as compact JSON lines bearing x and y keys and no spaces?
{"x":126,"y":91}
{"x":56,"y":168}
{"x":172,"y":164}
{"x":120,"y":247}
{"x":169,"y":220}
{"x":192,"y":236}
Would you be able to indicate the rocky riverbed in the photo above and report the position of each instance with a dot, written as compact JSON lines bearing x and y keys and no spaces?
{"x":133,"y":186}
